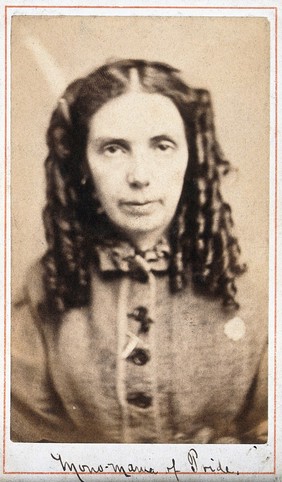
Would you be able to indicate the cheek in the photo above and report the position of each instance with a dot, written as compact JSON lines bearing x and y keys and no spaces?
{"x":174,"y":170}
{"x":177,"y":173}
{"x":105,"y":181}
{"x":175,"y":182}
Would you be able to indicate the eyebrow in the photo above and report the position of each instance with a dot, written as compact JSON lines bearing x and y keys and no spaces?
{"x":101,"y":142}
{"x":162,"y":137}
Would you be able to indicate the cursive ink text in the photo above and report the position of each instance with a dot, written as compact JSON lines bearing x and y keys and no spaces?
{"x":80,"y":469}
{"x":213,"y":466}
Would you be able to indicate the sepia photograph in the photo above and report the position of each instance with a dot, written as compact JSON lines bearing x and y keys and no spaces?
{"x":140,"y":234}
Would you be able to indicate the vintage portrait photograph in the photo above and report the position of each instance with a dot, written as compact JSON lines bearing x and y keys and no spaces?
{"x":140,"y":236}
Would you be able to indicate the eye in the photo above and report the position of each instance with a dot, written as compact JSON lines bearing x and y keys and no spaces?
{"x":113,"y":149}
{"x":165,"y":146}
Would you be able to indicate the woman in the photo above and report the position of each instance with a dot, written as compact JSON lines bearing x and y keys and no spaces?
{"x":130,"y":328}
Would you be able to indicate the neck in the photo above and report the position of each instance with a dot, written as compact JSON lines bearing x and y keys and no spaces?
{"x":145,"y":241}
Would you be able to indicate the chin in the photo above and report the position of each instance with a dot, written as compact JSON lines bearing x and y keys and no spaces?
{"x":144,"y":228}
{"x":144,"y":223}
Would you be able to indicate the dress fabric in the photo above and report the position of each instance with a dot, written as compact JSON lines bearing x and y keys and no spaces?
{"x":139,"y":365}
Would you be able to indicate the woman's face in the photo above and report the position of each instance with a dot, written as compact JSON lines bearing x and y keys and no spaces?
{"x":138,"y":154}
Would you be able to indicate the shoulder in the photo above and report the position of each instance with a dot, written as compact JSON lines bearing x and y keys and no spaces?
{"x":31,"y":289}
{"x":25,"y":325}
{"x":26,"y":300}
{"x":248,"y":324}
{"x":252,"y":295}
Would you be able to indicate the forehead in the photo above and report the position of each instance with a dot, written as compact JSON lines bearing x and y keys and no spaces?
{"x":137,"y":114}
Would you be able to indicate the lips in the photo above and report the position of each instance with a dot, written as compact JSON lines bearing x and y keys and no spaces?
{"x":138,"y":203}
{"x":137,"y":207}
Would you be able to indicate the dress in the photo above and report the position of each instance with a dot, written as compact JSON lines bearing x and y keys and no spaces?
{"x":139,"y":364}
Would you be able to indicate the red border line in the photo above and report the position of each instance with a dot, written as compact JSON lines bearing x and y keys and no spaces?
{"x":275,"y":238}
{"x":140,"y":473}
{"x":5,"y":243}
{"x":141,"y":7}
{"x":275,"y":8}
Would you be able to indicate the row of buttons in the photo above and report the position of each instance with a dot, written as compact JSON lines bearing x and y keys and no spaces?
{"x":140,"y":356}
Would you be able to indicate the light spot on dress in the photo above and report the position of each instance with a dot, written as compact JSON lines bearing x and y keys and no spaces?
{"x":235,"y":329}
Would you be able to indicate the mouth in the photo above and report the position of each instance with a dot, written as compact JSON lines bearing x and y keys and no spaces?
{"x":137,"y":207}
{"x":139,"y":203}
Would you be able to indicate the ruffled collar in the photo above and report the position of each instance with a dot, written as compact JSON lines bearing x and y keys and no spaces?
{"x":122,"y":256}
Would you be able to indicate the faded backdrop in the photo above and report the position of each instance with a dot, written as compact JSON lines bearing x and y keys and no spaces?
{"x":228,"y":56}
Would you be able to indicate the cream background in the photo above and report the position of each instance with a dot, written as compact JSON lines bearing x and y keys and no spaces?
{"x":229,"y":56}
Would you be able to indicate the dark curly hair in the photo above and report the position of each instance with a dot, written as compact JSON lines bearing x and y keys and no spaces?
{"x":201,"y":233}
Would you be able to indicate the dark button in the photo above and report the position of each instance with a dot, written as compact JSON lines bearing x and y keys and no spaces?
{"x":141,"y":314}
{"x":139,"y":356}
{"x":139,"y":399}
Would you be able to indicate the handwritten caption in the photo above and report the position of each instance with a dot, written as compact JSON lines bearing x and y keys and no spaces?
{"x":194,"y":465}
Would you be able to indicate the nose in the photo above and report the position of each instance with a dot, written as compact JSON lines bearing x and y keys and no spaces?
{"x":138,"y":175}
